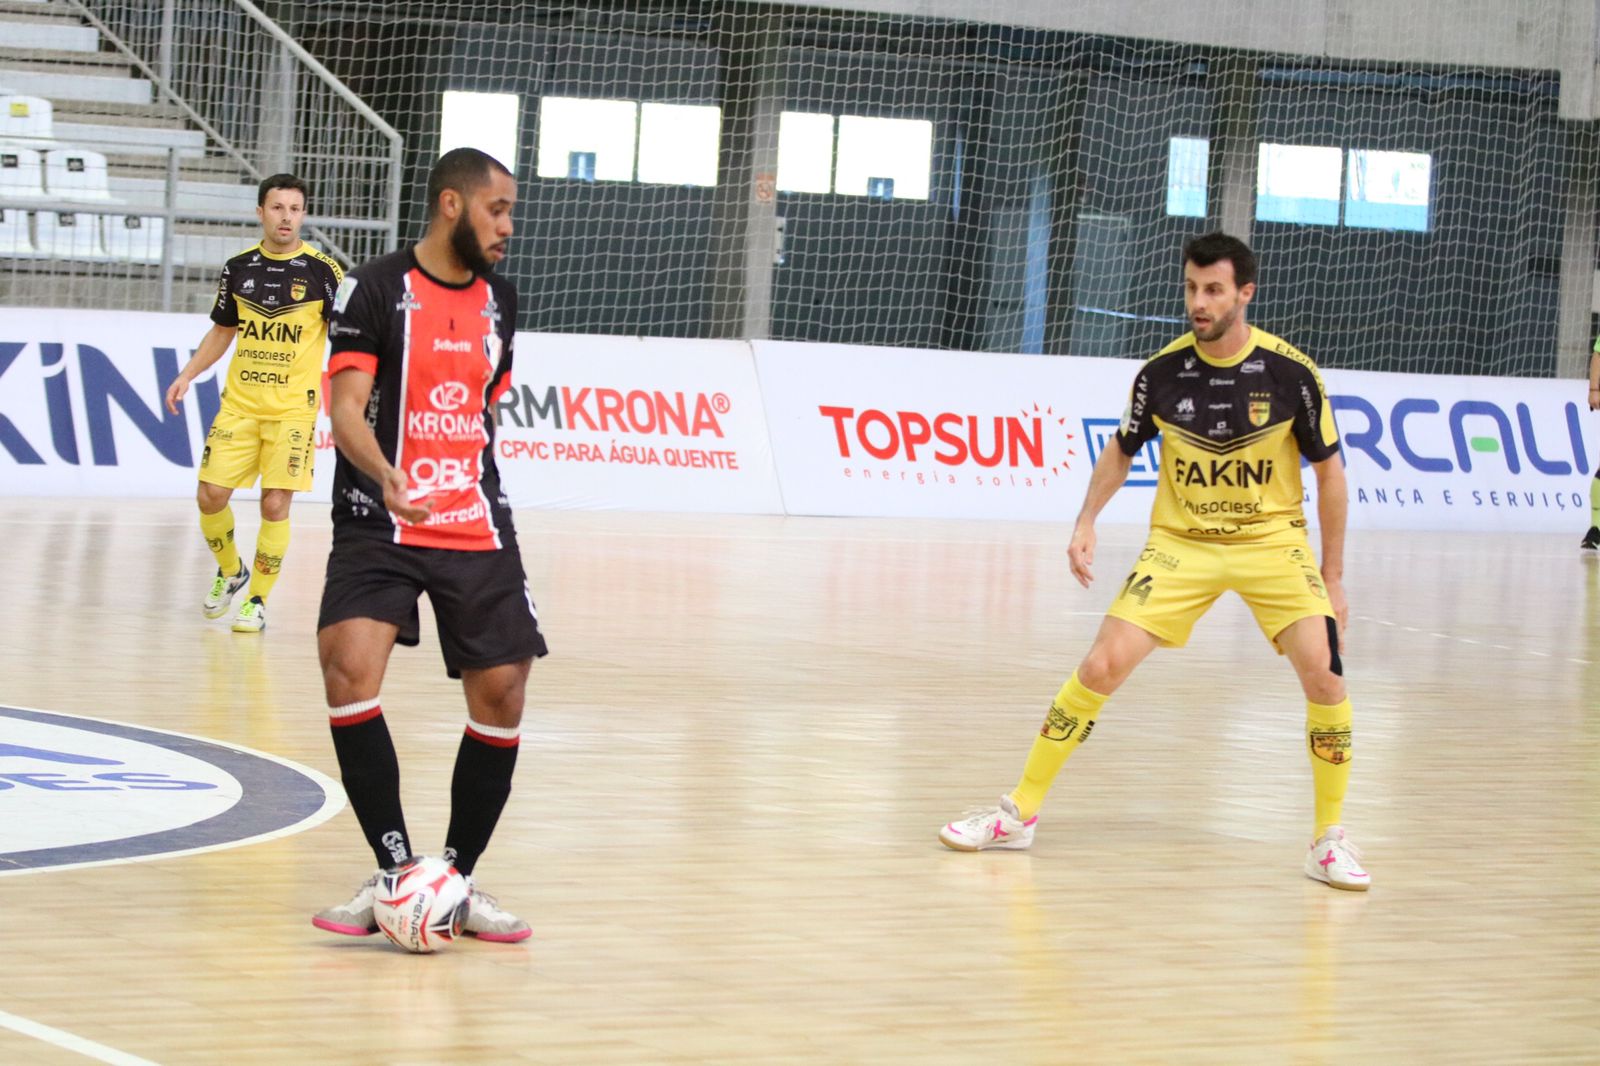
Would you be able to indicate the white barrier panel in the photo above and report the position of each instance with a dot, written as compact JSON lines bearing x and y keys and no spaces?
{"x":82,"y":411}
{"x":899,"y":432}
{"x":1466,"y":453}
{"x":605,"y":422}
{"x":637,"y":424}
{"x":871,"y":431}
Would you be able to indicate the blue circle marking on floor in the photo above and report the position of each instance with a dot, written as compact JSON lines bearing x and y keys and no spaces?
{"x":78,"y":791}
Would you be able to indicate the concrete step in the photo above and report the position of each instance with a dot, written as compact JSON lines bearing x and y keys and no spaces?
{"x":100,"y":112}
{"x":55,"y":59}
{"x":56,"y":86}
{"x":58,"y":33}
{"x":109,"y":138}
{"x":138,"y":192}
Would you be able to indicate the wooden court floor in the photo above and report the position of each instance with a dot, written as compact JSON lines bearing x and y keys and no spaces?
{"x":734,"y":765}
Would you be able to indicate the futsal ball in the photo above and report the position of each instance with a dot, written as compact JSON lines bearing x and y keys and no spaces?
{"x":422,"y":905}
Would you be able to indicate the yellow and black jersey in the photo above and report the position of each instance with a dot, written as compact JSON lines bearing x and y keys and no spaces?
{"x":1232,"y":436}
{"x":280,"y":305}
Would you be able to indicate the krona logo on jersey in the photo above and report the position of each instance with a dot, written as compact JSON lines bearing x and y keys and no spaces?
{"x":607,"y":410}
{"x":956,"y":439}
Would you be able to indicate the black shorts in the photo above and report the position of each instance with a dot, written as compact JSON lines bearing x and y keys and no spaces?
{"x":480,"y":599}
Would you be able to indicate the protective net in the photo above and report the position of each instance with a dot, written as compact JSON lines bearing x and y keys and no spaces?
{"x":741,"y":169}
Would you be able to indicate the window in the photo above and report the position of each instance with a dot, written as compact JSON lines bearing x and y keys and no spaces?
{"x":485,"y":121}
{"x":1361,"y":187}
{"x":1188,"y":159}
{"x":678,"y":143}
{"x":1388,"y":190}
{"x":1298,"y":183}
{"x":897,"y":150}
{"x":571,"y":128}
{"x":805,"y":152}
{"x":884,"y":158}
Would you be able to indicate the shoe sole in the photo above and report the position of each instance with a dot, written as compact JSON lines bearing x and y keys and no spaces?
{"x":339,"y":927}
{"x":954,"y":846}
{"x":501,"y":938}
{"x":249,"y":629}
{"x":1342,"y":888}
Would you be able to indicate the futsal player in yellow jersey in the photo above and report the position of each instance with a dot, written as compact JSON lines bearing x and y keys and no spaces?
{"x":274,"y":299}
{"x":1237,"y":408}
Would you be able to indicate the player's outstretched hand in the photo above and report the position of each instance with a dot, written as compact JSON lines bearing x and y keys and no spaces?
{"x":397,"y":498}
{"x":176,"y":391}
{"x":1080,"y":553}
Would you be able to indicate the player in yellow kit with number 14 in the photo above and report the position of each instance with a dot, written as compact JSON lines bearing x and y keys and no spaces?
{"x":1236,"y":409}
{"x":274,"y":300}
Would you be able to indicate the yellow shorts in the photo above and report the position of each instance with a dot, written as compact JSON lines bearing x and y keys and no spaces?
{"x":1176,"y":580}
{"x":238,"y":449}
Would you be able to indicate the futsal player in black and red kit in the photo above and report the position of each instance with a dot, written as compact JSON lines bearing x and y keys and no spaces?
{"x":421,"y":349}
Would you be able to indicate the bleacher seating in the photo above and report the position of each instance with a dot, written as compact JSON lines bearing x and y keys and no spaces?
{"x":134,"y":238}
{"x":69,"y":235}
{"x":15,"y":235}
{"x":21,"y":173}
{"x":76,"y":174}
{"x":25,"y":117}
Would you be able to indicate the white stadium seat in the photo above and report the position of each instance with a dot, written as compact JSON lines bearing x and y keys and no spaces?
{"x":21,"y":173}
{"x":26,"y":116}
{"x":15,"y":238}
{"x":134,"y":238}
{"x":76,"y":174}
{"x":69,"y":235}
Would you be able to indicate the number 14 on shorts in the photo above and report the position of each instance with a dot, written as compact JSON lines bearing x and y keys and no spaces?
{"x":1138,"y":587}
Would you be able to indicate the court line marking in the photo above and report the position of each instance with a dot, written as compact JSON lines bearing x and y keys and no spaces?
{"x":1468,"y":640}
{"x":70,"y":1042}
{"x":333,"y":801}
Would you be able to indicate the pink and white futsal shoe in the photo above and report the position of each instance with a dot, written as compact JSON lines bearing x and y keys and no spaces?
{"x":1336,"y":862}
{"x":993,"y":827}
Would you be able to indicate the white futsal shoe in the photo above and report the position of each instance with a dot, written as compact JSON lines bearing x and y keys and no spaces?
{"x":487,"y":920}
{"x":1336,"y":862}
{"x":223,"y":589}
{"x":355,"y":917}
{"x":252,"y":617}
{"x":991,"y":827}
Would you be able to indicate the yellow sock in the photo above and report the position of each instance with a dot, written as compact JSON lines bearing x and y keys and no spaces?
{"x":218,"y":530}
{"x":1067,"y":725}
{"x":1594,"y":500}
{"x":271,"y":543}
{"x":1328,"y":740}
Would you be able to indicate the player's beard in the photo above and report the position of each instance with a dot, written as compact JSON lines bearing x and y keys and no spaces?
{"x":1219,"y":326}
{"x":464,"y":242}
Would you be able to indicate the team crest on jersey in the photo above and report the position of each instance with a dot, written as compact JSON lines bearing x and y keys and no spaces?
{"x":408,"y":302}
{"x":297,"y":290}
{"x":1260,"y":411}
{"x":247,"y":286}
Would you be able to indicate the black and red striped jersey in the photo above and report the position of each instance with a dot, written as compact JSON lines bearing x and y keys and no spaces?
{"x":440,"y":355}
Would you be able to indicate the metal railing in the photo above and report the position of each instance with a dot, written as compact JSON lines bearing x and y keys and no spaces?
{"x":264,"y":105}
{"x":264,"y":102}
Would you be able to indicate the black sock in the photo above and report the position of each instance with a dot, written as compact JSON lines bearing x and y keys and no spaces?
{"x":478,"y":793}
{"x":371,"y":773}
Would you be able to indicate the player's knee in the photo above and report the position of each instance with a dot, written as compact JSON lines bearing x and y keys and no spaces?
{"x":275,"y":504}
{"x":1323,"y":686}
{"x":211,"y":498}
{"x":1103,"y":670}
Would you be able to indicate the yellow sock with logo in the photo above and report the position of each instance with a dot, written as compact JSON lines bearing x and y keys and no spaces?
{"x":1067,"y":725}
{"x":271,"y":543}
{"x":1594,"y":500}
{"x":218,"y":530}
{"x":1328,"y":740}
